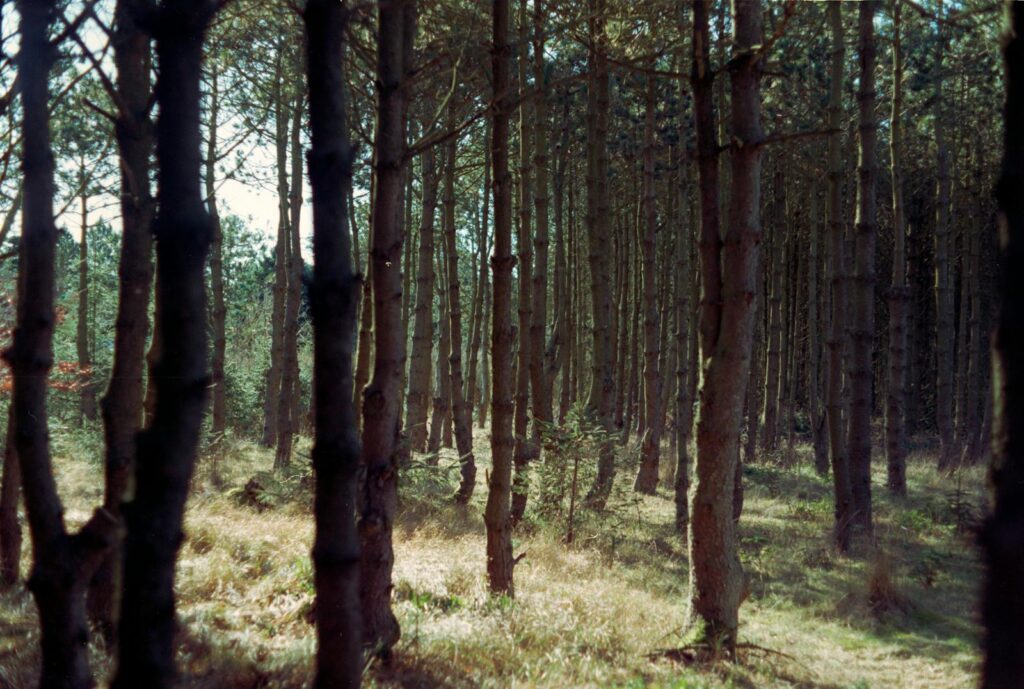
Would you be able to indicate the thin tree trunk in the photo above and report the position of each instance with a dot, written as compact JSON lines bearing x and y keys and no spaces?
{"x":334,"y":295}
{"x":975,"y":374}
{"x":862,"y":330}
{"x":773,"y":374}
{"x":183,"y":231}
{"x":819,"y":439}
{"x":441,"y":408}
{"x":418,"y":399}
{"x":524,"y":452}
{"x":273,"y":389}
{"x":10,"y":495}
{"x":381,"y":399}
{"x":462,"y":412}
{"x":120,"y":406}
{"x":602,"y":384}
{"x":899,"y":292}
{"x":496,"y":515}
{"x":843,"y":492}
{"x":219,"y":312}
{"x":479,"y":299}
{"x":944,"y":332}
{"x":647,"y":477}
{"x":87,"y":395}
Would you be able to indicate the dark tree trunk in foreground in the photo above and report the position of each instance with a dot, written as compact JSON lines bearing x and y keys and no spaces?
{"x":1002,"y":536}
{"x":382,"y":398}
{"x":716,"y":578}
{"x":334,"y":296}
{"x":862,"y":330}
{"x":63,"y":563}
{"x":120,"y":406}
{"x":168,"y":447}
{"x":496,"y":514}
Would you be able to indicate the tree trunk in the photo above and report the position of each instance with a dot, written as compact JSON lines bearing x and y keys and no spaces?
{"x":685,"y":360}
{"x":217,"y":392}
{"x":1003,"y":530}
{"x":647,"y":477}
{"x":480,"y":300}
{"x":818,"y":437}
{"x":542,"y":357}
{"x":381,"y":399}
{"x":843,"y":492}
{"x":773,"y":373}
{"x":462,"y":413}
{"x":87,"y":395}
{"x":496,"y":514}
{"x":120,"y":406}
{"x":442,"y":408}
{"x":334,"y":295}
{"x":183,"y":230}
{"x":63,"y":563}
{"x":423,"y":325}
{"x":602,"y":384}
{"x":10,"y":495}
{"x":273,"y":390}
{"x":717,"y":580}
{"x":287,"y":417}
{"x":972,"y":444}
{"x":862,"y":330}
{"x":899,"y":292}
{"x":944,"y":332}
{"x":524,"y":451}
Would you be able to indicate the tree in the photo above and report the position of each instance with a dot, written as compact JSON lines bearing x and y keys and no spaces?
{"x":496,"y":514}
{"x":381,"y":399}
{"x":183,"y":230}
{"x":1002,"y":606}
{"x":899,"y":293}
{"x":843,"y":495}
{"x":334,"y":296}
{"x":63,"y":563}
{"x":862,"y":328}
{"x":121,"y":404}
{"x":717,"y":582}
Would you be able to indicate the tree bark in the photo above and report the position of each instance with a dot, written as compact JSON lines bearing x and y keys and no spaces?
{"x":120,"y":406}
{"x":773,"y":372}
{"x":843,"y":492}
{"x":334,"y":295}
{"x":944,"y":332}
{"x":497,"y":515}
{"x":273,"y":389}
{"x":717,"y":581}
{"x":63,"y":563}
{"x":602,"y":383}
{"x":418,"y":399}
{"x":647,"y":477}
{"x":87,"y":395}
{"x":524,"y":451}
{"x":219,"y":400}
{"x":381,"y":398}
{"x":819,"y":439}
{"x":1002,"y":535}
{"x":899,"y":292}
{"x":10,"y":495}
{"x":182,"y":229}
{"x":862,"y":330}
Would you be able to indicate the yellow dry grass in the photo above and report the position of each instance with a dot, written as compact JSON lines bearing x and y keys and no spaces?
{"x":586,"y":615}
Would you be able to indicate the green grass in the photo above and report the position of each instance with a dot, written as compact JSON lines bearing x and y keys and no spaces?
{"x":593,"y":614}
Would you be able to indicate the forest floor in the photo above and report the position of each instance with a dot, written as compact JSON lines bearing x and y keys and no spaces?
{"x":597,"y":613}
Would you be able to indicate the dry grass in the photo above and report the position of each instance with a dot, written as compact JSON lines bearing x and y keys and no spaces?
{"x":900,"y":613}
